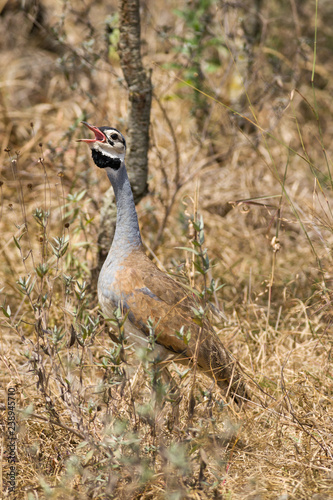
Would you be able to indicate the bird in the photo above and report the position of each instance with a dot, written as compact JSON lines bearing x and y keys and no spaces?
{"x":145,"y":294}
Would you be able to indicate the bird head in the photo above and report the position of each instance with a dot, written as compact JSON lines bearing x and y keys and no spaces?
{"x":108,"y":147}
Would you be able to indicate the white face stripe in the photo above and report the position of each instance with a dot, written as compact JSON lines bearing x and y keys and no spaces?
{"x":108,"y":150}
{"x":114,"y":135}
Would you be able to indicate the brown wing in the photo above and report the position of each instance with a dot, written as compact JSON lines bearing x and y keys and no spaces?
{"x":149,"y":293}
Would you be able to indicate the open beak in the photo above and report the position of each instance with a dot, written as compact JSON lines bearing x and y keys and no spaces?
{"x":99,"y":136}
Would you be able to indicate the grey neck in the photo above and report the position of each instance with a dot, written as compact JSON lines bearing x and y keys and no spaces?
{"x":127,"y":235}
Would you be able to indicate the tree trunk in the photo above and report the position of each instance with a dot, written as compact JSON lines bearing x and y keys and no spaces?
{"x":137,"y":137}
{"x":140,"y":94}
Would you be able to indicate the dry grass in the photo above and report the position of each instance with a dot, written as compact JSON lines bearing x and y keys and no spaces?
{"x":88,"y":426}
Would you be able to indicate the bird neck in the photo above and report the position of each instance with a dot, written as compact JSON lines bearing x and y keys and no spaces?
{"x":127,"y":235}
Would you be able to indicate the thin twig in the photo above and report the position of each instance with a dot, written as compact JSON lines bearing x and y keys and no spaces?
{"x":54,"y":422}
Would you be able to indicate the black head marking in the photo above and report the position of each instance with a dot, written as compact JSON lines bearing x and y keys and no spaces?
{"x":103,"y":161}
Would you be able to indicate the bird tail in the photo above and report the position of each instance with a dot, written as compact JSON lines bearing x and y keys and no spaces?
{"x":216,"y":361}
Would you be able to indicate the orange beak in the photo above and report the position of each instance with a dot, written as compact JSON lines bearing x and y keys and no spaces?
{"x":99,"y":136}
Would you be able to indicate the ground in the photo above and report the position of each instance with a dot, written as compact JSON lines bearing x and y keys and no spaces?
{"x":241,"y":135}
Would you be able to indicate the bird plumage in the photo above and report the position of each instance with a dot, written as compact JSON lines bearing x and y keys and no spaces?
{"x":129,"y":279}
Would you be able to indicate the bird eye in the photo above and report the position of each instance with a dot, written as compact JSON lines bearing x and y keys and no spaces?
{"x":114,"y":136}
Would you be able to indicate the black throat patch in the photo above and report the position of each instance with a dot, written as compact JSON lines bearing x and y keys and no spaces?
{"x":103,"y":161}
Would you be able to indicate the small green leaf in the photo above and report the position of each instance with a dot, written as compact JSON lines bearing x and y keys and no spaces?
{"x":60,"y":246}
{"x":199,"y":268}
{"x":17,"y":243}
{"x":81,"y":195}
{"x":7,"y":312}
{"x":187,"y":249}
{"x":42,"y":269}
{"x":82,"y":445}
{"x":88,"y":457}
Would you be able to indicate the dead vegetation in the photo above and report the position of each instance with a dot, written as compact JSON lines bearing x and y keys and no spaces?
{"x":254,"y":159}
